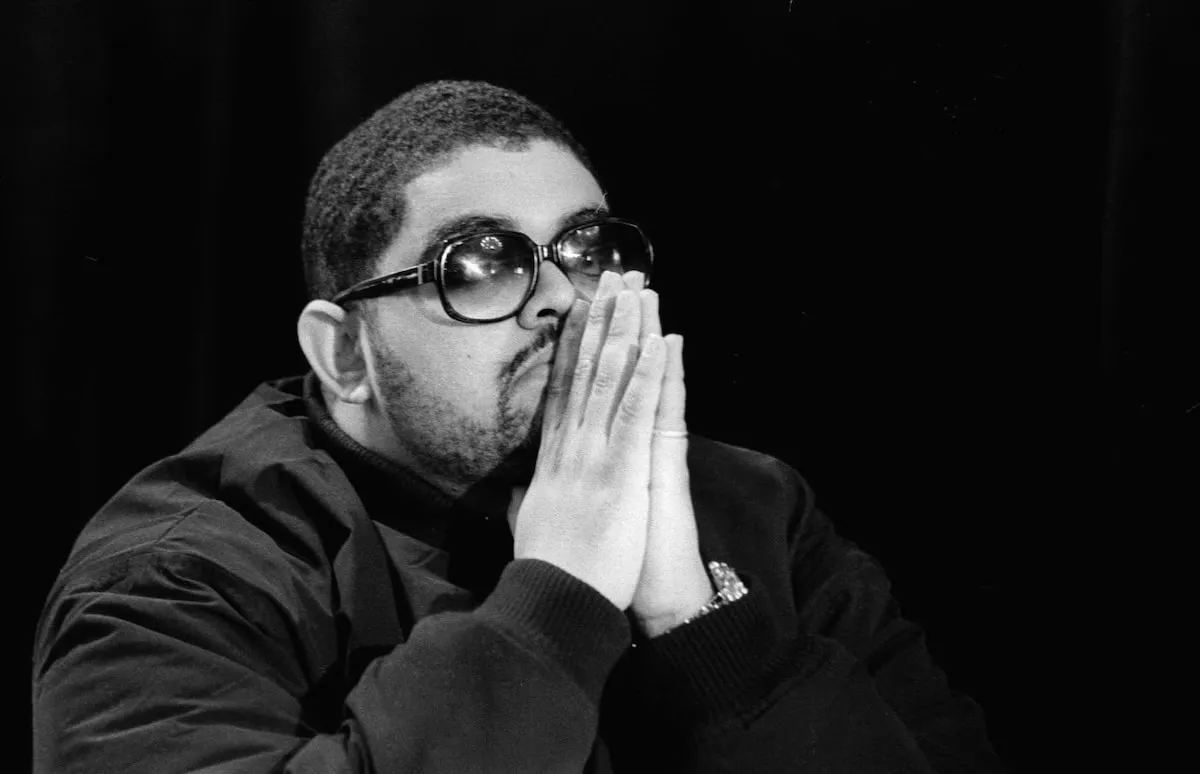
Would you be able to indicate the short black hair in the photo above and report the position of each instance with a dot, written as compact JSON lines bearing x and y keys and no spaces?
{"x":356,"y":203}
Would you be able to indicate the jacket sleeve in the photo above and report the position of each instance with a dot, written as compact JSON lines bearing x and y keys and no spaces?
{"x":838,"y":681}
{"x":173,"y":665}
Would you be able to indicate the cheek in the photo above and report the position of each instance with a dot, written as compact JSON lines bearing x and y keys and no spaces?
{"x":453,"y":364}
{"x":460,"y":375}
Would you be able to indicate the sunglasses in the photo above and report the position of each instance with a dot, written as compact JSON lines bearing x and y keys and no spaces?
{"x":489,"y":276}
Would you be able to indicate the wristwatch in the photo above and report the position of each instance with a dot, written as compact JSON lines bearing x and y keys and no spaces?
{"x":729,"y":589}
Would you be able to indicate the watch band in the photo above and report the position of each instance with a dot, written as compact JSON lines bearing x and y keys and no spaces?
{"x":729,"y":589}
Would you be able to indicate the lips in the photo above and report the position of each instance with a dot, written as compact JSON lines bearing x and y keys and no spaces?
{"x":543,"y":357}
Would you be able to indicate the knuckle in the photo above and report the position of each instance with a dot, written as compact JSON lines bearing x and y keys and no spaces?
{"x":629,"y":412}
{"x":584,"y":364}
{"x":607,"y":472}
{"x":605,"y":380}
{"x":596,"y":315}
{"x":619,"y":327}
{"x":588,"y":345}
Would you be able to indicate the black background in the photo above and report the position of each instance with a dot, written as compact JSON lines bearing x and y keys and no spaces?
{"x":872,"y":221}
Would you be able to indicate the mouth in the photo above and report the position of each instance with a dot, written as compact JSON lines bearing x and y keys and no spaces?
{"x":544,"y":357}
{"x":544,"y":347}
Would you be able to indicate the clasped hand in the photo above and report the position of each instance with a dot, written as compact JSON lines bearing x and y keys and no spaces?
{"x":610,"y":500}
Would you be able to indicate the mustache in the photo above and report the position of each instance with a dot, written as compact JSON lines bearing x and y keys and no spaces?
{"x":547,"y":339}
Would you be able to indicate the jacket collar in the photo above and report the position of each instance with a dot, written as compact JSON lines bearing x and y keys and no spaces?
{"x":399,"y":498}
{"x":392,"y":495}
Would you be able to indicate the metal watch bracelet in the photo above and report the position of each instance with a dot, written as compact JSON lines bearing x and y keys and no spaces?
{"x":729,"y":589}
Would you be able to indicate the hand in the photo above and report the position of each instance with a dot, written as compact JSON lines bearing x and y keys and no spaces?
{"x":674,"y":583}
{"x":587,"y":507}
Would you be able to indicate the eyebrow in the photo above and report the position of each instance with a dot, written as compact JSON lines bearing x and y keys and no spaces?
{"x":473,"y":222}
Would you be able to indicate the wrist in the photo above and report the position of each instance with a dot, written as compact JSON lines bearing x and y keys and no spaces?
{"x":719,"y":664}
{"x":694,"y":595}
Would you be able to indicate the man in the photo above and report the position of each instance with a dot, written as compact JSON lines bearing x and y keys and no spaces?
{"x":476,"y":536}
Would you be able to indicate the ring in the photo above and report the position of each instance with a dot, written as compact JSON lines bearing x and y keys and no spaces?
{"x":671,"y":433}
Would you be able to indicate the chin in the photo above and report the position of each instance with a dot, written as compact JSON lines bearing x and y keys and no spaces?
{"x":530,"y":419}
{"x":524,"y":432}
{"x":529,"y":442}
{"x":518,"y":467}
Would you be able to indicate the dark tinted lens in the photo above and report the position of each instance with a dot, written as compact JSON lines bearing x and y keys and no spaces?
{"x":589,"y":251}
{"x":487,"y":276}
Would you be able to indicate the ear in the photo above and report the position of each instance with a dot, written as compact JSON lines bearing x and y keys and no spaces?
{"x":331,"y":340}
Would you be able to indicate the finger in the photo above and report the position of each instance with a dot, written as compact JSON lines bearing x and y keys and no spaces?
{"x":650,"y":320}
{"x":594,"y":333}
{"x":634,"y":280}
{"x":563,"y":368}
{"x":514,"y":506}
{"x":633,"y":421}
{"x":609,"y":380}
{"x":672,"y":402}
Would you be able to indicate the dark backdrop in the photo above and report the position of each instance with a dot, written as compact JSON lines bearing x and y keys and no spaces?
{"x":865,"y":215}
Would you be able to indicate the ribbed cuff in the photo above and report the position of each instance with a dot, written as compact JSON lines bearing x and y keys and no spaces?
{"x":584,"y":632}
{"x":718,"y":663}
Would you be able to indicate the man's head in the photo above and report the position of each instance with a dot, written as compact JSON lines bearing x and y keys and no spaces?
{"x":455,"y":401}
{"x":356,"y":200}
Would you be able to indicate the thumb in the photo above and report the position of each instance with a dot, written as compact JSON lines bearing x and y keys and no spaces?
{"x":514,"y":506}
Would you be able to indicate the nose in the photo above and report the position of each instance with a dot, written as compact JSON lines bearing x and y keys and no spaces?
{"x":552,"y":297}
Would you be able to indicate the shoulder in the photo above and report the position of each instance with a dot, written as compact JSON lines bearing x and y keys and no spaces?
{"x":748,"y":505}
{"x":251,"y":501}
{"x":734,"y":475}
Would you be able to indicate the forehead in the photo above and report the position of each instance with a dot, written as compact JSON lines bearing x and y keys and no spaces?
{"x":532,"y":188}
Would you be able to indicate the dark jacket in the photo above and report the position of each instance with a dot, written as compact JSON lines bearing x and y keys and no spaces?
{"x":277,"y":598}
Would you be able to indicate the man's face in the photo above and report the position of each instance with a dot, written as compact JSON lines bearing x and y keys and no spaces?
{"x":460,"y":399}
